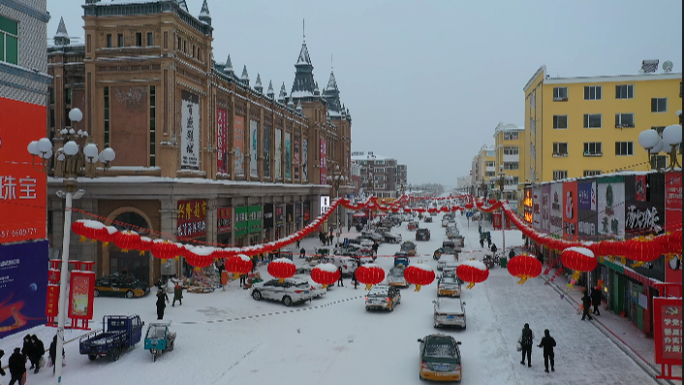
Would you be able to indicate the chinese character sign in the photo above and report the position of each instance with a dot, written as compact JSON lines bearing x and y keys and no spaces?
{"x":667,"y":330}
{"x":323,"y":155}
{"x":81,"y":295}
{"x":253,"y":149}
{"x":239,"y":145}
{"x":570,"y":210}
{"x":191,"y":219}
{"x":22,"y":188}
{"x":288,"y":156}
{"x":305,"y":160}
{"x":673,"y":200}
{"x":278,"y":154}
{"x":224,"y":215}
{"x":190,"y":131}
{"x":241,"y":221}
{"x":611,"y":206}
{"x":221,"y":141}
{"x":586,"y":210}
{"x":296,"y":157}
{"x":267,"y":151}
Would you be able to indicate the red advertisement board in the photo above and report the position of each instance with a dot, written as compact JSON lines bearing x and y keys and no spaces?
{"x":224,"y":224}
{"x":221,"y":141}
{"x":52,"y":303}
{"x":667,"y":330}
{"x":191,"y":219}
{"x":239,"y":144}
{"x":570,"y":210}
{"x":323,"y":162}
{"x":81,"y":295}
{"x":22,"y":187}
{"x":673,"y":201}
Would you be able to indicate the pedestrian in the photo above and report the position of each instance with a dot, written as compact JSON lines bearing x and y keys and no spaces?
{"x":254,"y":264}
{"x":547,"y":342}
{"x":37,"y":352}
{"x":479,"y":229}
{"x":302,"y":253}
{"x":375,"y":248}
{"x":2,"y":371}
{"x":511,"y":254}
{"x":53,"y":353}
{"x":349,"y":226}
{"x":17,"y":367}
{"x":494,"y":249}
{"x":526,"y":340}
{"x":331,"y":238}
{"x":489,"y":240}
{"x":540,"y":257}
{"x":162,"y":300}
{"x":354,"y":279}
{"x":27,"y":349}
{"x":586,"y":306}
{"x":481,"y":241}
{"x":596,"y":299}
{"x":298,"y":243}
{"x":340,"y":282}
{"x":243,"y":279}
{"x":177,"y":295}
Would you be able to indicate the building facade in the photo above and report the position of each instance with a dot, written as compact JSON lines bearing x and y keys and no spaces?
{"x":203,"y":154}
{"x":380,"y":175}
{"x":509,"y":146}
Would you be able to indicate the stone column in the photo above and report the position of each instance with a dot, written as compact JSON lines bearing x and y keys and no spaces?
{"x":169,"y":227}
{"x":211,"y":220}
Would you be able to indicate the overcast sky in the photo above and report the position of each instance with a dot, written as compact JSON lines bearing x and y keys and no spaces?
{"x":427,"y":82}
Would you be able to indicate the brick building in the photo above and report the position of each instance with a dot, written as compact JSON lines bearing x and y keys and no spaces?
{"x":201,"y":154}
{"x":387,"y":176}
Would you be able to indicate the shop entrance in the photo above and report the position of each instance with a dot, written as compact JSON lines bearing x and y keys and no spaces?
{"x":130,"y":262}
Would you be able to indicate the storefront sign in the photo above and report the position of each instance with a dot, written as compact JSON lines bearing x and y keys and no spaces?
{"x":546,"y":217}
{"x":556,"y":209}
{"x":253,"y":149}
{"x":611,"y":206}
{"x":267,"y":151}
{"x":191,"y":219}
{"x":673,"y":200}
{"x":278,"y":154}
{"x":81,"y":295}
{"x":586,"y":210}
{"x":289,"y":213}
{"x":239,"y":145}
{"x":241,"y":221}
{"x":305,"y":160}
{"x":536,"y":207}
{"x":570,"y":210}
{"x":190,"y":131}
{"x":268,"y":215}
{"x":52,"y":302}
{"x":323,"y":158}
{"x":254,"y":219}
{"x":224,"y":218}
{"x":221,"y":141}
{"x":279,"y":215}
{"x":325,"y":203}
{"x":667,"y":330}
{"x":528,"y":206}
{"x":296,"y":157}
{"x":288,"y":156}
{"x":298,"y":212}
{"x":644,"y":204}
{"x":307,"y":212}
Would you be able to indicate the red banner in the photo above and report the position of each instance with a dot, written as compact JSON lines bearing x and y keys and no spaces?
{"x":323,"y":161}
{"x":673,"y":201}
{"x":52,"y":304}
{"x":224,"y":224}
{"x":570,"y":210}
{"x":528,"y":205}
{"x":667,"y":330}
{"x":81,"y":295}
{"x":191,"y":219}
{"x":221,"y":141}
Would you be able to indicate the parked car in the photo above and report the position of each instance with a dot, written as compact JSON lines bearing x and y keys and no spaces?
{"x":383,"y":297}
{"x":119,"y":333}
{"x":290,"y":291}
{"x":428,"y":219}
{"x":444,"y":251}
{"x":348,"y":264}
{"x":304,"y":273}
{"x":373,"y":236}
{"x":117,"y":285}
{"x":412,"y":225}
{"x":440,"y":358}
{"x":445,"y":222}
{"x":447,"y":260}
{"x":401,"y":258}
{"x":391,"y":238}
{"x":422,"y":235}
{"x":449,"y":285}
{"x":409,"y":248}
{"x":395,"y":276}
{"x":449,"y":312}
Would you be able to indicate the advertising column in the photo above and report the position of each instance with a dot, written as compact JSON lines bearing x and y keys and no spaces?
{"x":305,"y":160}
{"x":536,"y":207}
{"x":278,"y":154}
{"x":221,"y":141}
{"x":239,"y":145}
{"x":528,"y":206}
{"x":545,"y":207}
{"x":569,"y":211}
{"x":253,"y":149}
{"x":323,"y":159}
{"x":295,"y":161}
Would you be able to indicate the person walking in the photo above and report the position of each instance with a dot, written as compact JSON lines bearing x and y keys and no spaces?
{"x":493,"y":249}
{"x":596,"y":300}
{"x":586,"y":306}
{"x":526,"y":340}
{"x":254,"y":264}
{"x":27,"y":349}
{"x":547,"y":342}
{"x":298,"y":243}
{"x":489,"y":240}
{"x":355,"y":280}
{"x":37,"y":352}
{"x":243,"y":279}
{"x":302,"y":253}
{"x":53,"y":353}
{"x":511,"y":254}
{"x":375,"y":248}
{"x":340,"y":282}
{"x":17,"y":367}
{"x":482,"y":241}
{"x":177,"y":295}
{"x":2,"y":371}
{"x":162,"y":300}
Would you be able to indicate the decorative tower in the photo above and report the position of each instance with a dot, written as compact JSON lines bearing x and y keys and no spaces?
{"x":244,"y":77}
{"x":228,"y":69}
{"x":204,"y":13}
{"x":332,"y":95}
{"x":283,"y":94}
{"x":62,"y":37}
{"x":270,"y":92}
{"x":257,"y":86}
{"x":303,"y":85}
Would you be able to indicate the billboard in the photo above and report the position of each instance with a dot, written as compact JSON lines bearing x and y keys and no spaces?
{"x":190,"y":131}
{"x":288,"y":156}
{"x":587,"y":217}
{"x":81,"y":295}
{"x":295,"y":156}
{"x":536,"y":207}
{"x":667,"y":330}
{"x":528,"y":205}
{"x":323,"y":154}
{"x":22,"y":188}
{"x":673,"y":201}
{"x":556,"y":209}
{"x":254,"y":218}
{"x":305,"y":160}
{"x":644,"y":204}
{"x":239,"y":145}
{"x":267,"y":151}
{"x":253,"y":149}
{"x":191,"y":219}
{"x":221,"y":141}
{"x":278,"y":154}
{"x":223,"y":220}
{"x":279,"y":214}
{"x":570,"y":210}
{"x":241,"y":221}
{"x":611,"y":206}
{"x":545,"y":207}
{"x":23,"y":286}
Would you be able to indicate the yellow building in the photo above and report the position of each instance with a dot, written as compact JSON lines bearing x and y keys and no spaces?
{"x":585,"y":126}
{"x":509,"y":147}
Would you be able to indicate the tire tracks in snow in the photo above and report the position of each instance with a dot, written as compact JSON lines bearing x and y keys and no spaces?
{"x":236,"y":363}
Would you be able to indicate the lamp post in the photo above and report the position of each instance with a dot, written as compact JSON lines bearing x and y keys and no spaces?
{"x":669,"y":142}
{"x":335,"y":181}
{"x":73,"y":162}
{"x":501,"y":182}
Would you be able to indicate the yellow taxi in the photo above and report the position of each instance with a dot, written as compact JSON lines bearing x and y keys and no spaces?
{"x":449,"y":285}
{"x":440,"y":358}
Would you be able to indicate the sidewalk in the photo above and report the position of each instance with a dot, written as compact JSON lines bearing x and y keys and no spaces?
{"x":620,"y":330}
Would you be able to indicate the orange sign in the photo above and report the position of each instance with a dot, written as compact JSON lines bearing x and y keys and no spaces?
{"x":22,"y":188}
{"x":52,"y":304}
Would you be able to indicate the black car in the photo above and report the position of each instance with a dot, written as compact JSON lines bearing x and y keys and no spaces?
{"x":422,"y":235}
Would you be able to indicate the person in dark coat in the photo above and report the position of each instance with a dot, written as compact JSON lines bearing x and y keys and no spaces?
{"x":375,"y":248}
{"x":494,"y":249}
{"x":2,"y":371}
{"x":482,"y":242}
{"x":511,"y":254}
{"x":298,"y":243}
{"x":526,"y":341}
{"x":53,"y":352}
{"x":302,"y":253}
{"x":17,"y":366}
{"x":177,"y":295}
{"x":596,"y":300}
{"x":254,"y":264}
{"x":355,"y":280}
{"x":27,"y":348}
{"x":243,"y":279}
{"x":586,"y":304}
{"x":547,"y":342}
{"x":340,"y":282}
{"x":162,"y":300}
{"x":37,"y":351}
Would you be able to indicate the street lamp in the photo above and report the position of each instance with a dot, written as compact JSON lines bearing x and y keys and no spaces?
{"x":669,"y":142}
{"x":501,"y":182}
{"x":335,"y":181}
{"x":73,"y":163}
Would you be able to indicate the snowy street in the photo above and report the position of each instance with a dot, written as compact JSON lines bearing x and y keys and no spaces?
{"x":226,"y":337}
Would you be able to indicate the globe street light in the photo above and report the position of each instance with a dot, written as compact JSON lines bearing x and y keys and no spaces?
{"x":669,"y":142}
{"x":73,"y":163}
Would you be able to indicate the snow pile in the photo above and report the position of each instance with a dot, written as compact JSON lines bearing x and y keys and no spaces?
{"x":327,"y":267}
{"x":243,"y":257}
{"x":423,"y":266}
{"x":475,"y":264}
{"x":582,"y":250}
{"x":283,"y":260}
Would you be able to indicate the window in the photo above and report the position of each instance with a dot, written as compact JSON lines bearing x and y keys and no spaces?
{"x":624,"y":120}
{"x":166,"y":40}
{"x":150,"y":39}
{"x":9,"y":41}
{"x":560,"y":122}
{"x":88,"y":42}
{"x":490,"y":153}
{"x":510,"y":136}
{"x":379,"y":170}
{"x":68,"y":96}
{"x":185,"y":46}
{"x":106,"y":117}
{"x":52,"y":96}
{"x":379,"y":162}
{"x":364,"y":170}
{"x":592,"y":120}
{"x":119,"y":40}
{"x":179,"y":44}
{"x":138,"y":39}
{"x":659,"y":105}
{"x":624,"y":148}
{"x":592,"y":172}
{"x":510,"y":150}
{"x":490,"y":173}
{"x":153,"y":126}
{"x":659,"y":161}
{"x":109,"y":40}
{"x":659,"y":129}
{"x":560,"y":174}
{"x":593,"y":149}
{"x":560,"y":94}
{"x":510,"y":165}
{"x":489,"y":163}
{"x":592,"y":93}
{"x":624,"y":91}
{"x":560,"y":149}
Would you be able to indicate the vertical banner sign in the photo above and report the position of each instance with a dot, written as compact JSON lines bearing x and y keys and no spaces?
{"x":190,"y":131}
{"x":611,"y":206}
{"x":253,"y":149}
{"x":241,"y":221}
{"x":279,"y":215}
{"x":667,"y":330}
{"x":239,"y":145}
{"x":268,"y":215}
{"x":305,"y":160}
{"x":81,"y":295}
{"x":289,"y":213}
{"x":546,"y":218}
{"x":528,"y":205}
{"x":52,"y":302}
{"x":22,"y":187}
{"x":278,"y":154}
{"x":191,"y":219}
{"x":224,"y":216}
{"x":586,"y":210}
{"x":221,"y":141}
{"x":644,"y":204}
{"x":267,"y":151}
{"x":536,"y":207}
{"x":23,"y":286}
{"x":570,"y":210}
{"x":673,"y":201}
{"x":296,"y":157}
{"x":556,"y":210}
{"x":288,"y":156}
{"x":323,"y":154}
{"x":254,"y":219}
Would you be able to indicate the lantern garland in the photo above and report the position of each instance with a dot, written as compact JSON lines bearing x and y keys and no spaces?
{"x":127,"y":240}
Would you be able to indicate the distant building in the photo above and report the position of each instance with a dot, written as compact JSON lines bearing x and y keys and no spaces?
{"x":380,"y":175}
{"x":509,"y":144}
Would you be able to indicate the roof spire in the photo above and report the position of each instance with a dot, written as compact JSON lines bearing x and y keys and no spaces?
{"x":245,"y":77}
{"x":270,"y":92}
{"x":257,"y":86}
{"x":299,"y":106}
{"x":62,"y":36}
{"x":290,"y":103}
{"x":283,"y":94}
{"x":204,"y":13}
{"x":316,"y":90}
{"x":304,"y":31}
{"x":229,"y":66}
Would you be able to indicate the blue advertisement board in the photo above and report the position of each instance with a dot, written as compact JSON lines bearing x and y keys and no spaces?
{"x":23,"y":286}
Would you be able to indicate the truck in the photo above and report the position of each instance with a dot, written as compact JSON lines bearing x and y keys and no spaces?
{"x":120,"y":333}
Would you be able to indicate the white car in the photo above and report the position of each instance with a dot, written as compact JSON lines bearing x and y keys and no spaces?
{"x":449,"y":285}
{"x":395,"y":277}
{"x":449,"y":312}
{"x":304,"y":273}
{"x":447,"y":261}
{"x":348,"y":265}
{"x":288,"y":292}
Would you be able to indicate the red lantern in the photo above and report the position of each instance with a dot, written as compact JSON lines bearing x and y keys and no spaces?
{"x":419,"y":274}
{"x":370,"y":274}
{"x":644,"y":250}
{"x":87,"y":228}
{"x":524,"y":267}
{"x":239,"y":264}
{"x":674,"y":242}
{"x":127,"y":240}
{"x":492,"y":201}
{"x":472,"y":272}
{"x":282,"y":268}
{"x":164,"y":249}
{"x":145,"y":245}
{"x":325,"y":274}
{"x":579,"y":259}
{"x":106,"y":234}
{"x":199,"y":256}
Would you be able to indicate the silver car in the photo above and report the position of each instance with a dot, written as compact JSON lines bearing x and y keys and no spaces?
{"x":449,"y":312}
{"x":290,"y":291}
